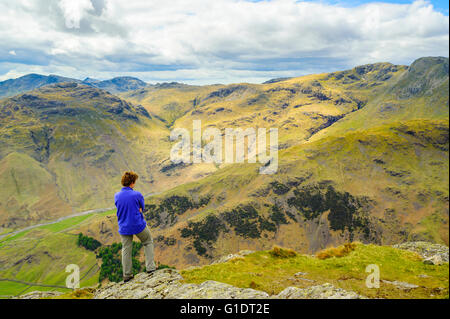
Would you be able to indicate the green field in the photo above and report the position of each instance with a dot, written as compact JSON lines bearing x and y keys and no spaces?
{"x":47,"y":251}
{"x":65,"y":224}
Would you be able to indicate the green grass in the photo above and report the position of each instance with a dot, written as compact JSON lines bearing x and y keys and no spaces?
{"x":5,"y":230}
{"x":44,"y":261}
{"x":39,"y":288}
{"x":85,"y":293}
{"x":64,"y":224}
{"x":431,"y":227}
{"x":14,"y":237}
{"x":107,"y":213}
{"x":262,"y":271}
{"x":10,"y":288}
{"x":57,"y":227}
{"x":51,"y":251}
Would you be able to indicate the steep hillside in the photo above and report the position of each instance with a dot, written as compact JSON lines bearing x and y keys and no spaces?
{"x":29,"y":82}
{"x":117,"y":84}
{"x":298,"y":107}
{"x":310,"y":106}
{"x":421,"y":92}
{"x":169,"y":101}
{"x":30,"y":191}
{"x":63,"y":147}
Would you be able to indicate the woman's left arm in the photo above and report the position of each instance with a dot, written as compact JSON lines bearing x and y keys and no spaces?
{"x":141,"y":203}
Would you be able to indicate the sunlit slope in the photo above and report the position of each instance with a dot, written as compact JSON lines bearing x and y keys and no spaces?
{"x":29,"y":192}
{"x":421,"y":92}
{"x":74,"y":142}
{"x":117,"y":84}
{"x":309,"y":106}
{"x":169,"y":101}
{"x":29,"y":82}
{"x":298,"y":107}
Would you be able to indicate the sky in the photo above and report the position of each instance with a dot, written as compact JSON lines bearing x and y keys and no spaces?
{"x":220,"y":41}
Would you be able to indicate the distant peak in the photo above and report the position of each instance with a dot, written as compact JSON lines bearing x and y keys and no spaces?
{"x":90,"y":80}
{"x":426,"y":63}
{"x":276,"y":80}
{"x":126,"y":78}
{"x":31,"y":75}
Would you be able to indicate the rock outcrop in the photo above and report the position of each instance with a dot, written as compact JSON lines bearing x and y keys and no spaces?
{"x":166,"y":284}
{"x":401,"y":284}
{"x":40,"y":295}
{"x":432,"y":254}
{"x":226,"y":258}
{"x":325,"y":291}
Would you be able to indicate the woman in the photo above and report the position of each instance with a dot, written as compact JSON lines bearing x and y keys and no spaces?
{"x":130,"y":205}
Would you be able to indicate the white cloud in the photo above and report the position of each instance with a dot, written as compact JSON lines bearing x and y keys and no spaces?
{"x":74,"y":11}
{"x":205,"y":41}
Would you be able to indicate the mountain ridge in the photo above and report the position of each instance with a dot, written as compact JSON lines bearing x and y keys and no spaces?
{"x":115,"y":85}
{"x":118,"y":84}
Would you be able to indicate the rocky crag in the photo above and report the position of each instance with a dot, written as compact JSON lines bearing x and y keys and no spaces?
{"x":167,"y":284}
{"x":433,"y":254}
